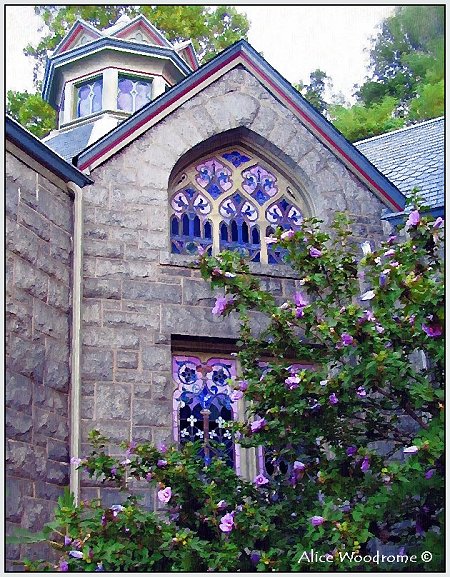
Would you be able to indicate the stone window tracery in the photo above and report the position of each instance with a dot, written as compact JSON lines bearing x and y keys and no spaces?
{"x":232,"y":199}
{"x":202,"y":406}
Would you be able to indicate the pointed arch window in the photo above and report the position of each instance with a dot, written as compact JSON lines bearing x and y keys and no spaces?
{"x":232,"y":199}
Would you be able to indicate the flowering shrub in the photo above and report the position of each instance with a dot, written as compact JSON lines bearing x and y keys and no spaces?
{"x":355,"y":443}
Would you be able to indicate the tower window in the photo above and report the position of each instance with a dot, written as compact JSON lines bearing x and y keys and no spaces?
{"x":133,"y":93}
{"x":89,"y":97}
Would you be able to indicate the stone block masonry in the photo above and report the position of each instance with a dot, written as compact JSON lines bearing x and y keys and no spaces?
{"x":137,"y":296}
{"x":38,"y":290}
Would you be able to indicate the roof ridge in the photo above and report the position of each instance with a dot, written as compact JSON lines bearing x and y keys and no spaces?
{"x":403,"y":129}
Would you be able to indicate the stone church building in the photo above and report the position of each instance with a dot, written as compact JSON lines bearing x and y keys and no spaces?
{"x":154,"y":156}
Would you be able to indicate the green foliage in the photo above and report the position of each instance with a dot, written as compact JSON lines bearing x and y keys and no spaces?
{"x":31,"y":111}
{"x":359,"y":121}
{"x":356,"y":441}
{"x":314,"y":92}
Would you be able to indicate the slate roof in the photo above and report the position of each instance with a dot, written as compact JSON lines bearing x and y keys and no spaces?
{"x":68,"y":144}
{"x":411,"y":157}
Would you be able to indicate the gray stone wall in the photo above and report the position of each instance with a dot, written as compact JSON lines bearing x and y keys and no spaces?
{"x":38,"y":276}
{"x":136,"y":295}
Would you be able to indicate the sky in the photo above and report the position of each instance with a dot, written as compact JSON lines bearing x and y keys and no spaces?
{"x":294,"y":39}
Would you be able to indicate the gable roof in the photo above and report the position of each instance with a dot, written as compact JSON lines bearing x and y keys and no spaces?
{"x":28,"y":143}
{"x":142,"y":22}
{"x":241,"y":53}
{"x":411,"y":157}
{"x":72,"y":36}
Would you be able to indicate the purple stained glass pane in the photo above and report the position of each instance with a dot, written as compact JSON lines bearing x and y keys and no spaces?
{"x":214,"y":177}
{"x":190,"y":228}
{"x":143,"y":95}
{"x":125,"y":85}
{"x":125,"y":102}
{"x":204,"y":386}
{"x":238,"y":230}
{"x":97,"y":96}
{"x":236,"y":158}
{"x":259,"y":183}
{"x":283,"y":213}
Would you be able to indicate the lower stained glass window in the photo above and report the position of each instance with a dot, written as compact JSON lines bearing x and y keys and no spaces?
{"x":202,"y":405}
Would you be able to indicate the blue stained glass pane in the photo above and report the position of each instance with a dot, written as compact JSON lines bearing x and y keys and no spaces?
{"x":213,"y":190}
{"x":284,"y":204}
{"x":174,"y":227}
{"x":196,"y":226}
{"x":234,"y":231}
{"x":185,"y":221}
{"x":175,"y":249}
{"x":237,"y":198}
{"x":261,"y":196}
{"x":208,"y":230}
{"x":255,"y":236}
{"x":236,"y":158}
{"x":244,"y":232}
{"x":224,"y":231}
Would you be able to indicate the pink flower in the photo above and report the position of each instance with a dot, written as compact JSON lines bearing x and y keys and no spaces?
{"x":76,"y":554}
{"x":411,"y":450}
{"x":439,"y":222}
{"x":161,"y":463}
{"x":227,"y":522}
{"x":389,"y":252}
{"x":333,"y":400}
{"x":271,"y":240}
{"x":379,"y":329}
{"x":394,"y":264}
{"x":260,"y":480}
{"x":243,"y":385}
{"x":433,"y":331}
{"x":351,"y":451}
{"x":292,"y":382}
{"x":300,"y":300}
{"x":287,"y":235}
{"x":162,"y":448}
{"x":346,"y":339}
{"x":229,"y":274}
{"x":165,"y":495}
{"x":201,"y":251}
{"x":258,"y":425}
{"x":63,"y":566}
{"x":221,"y":504}
{"x":221,"y":304}
{"x":236,"y":395}
{"x":413,"y":218}
{"x":76,"y":461}
{"x":148,"y":476}
{"x":369,"y":316}
{"x":361,"y":392}
{"x":317,"y":520}
{"x":429,"y":473}
{"x":315,"y":253}
{"x":365,"y":466}
{"x":299,"y":466}
{"x":368,"y":295}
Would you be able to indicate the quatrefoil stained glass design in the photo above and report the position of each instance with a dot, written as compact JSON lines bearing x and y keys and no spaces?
{"x":259,"y":183}
{"x":214,"y":177}
{"x":203,"y":386}
{"x":285,"y":215}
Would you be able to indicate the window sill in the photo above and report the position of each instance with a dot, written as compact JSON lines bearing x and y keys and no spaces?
{"x":256,"y":268}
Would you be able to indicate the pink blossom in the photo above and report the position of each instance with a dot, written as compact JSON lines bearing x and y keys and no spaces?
{"x":227,"y":522}
{"x":368,"y":316}
{"x":368,"y":295}
{"x":299,"y":466}
{"x":260,"y":480}
{"x":346,"y":339}
{"x":243,"y":385}
{"x":229,"y":274}
{"x":394,"y":264}
{"x":292,"y":382}
{"x":365,"y":464}
{"x":76,"y":461}
{"x":221,"y":304}
{"x":271,"y":240}
{"x":299,"y":299}
{"x":317,"y":520}
{"x":287,"y":235}
{"x":76,"y":554}
{"x":413,"y":218}
{"x":236,"y":395}
{"x":258,"y":425}
{"x":433,"y":331}
{"x":148,"y":476}
{"x":389,"y":252}
{"x":351,"y":451}
{"x":379,"y":329}
{"x":439,"y":222}
{"x":161,"y":463}
{"x":201,"y":251}
{"x":162,"y":448}
{"x":333,"y":400}
{"x":315,"y":253}
{"x":429,"y":473}
{"x":411,"y":450}
{"x":361,"y":392}
{"x":165,"y":495}
{"x":63,"y":565}
{"x":299,"y":312}
{"x":221,"y":504}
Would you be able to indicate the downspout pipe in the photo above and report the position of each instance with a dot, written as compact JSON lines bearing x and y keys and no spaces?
{"x":75,"y":376}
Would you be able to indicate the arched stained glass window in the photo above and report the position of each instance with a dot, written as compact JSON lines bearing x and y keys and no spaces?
{"x":133,"y":93}
{"x":202,"y":407}
{"x":89,"y":97}
{"x":285,"y":215}
{"x":233,"y":199}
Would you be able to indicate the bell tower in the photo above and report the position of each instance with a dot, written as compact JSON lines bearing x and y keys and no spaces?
{"x":95,"y":79}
